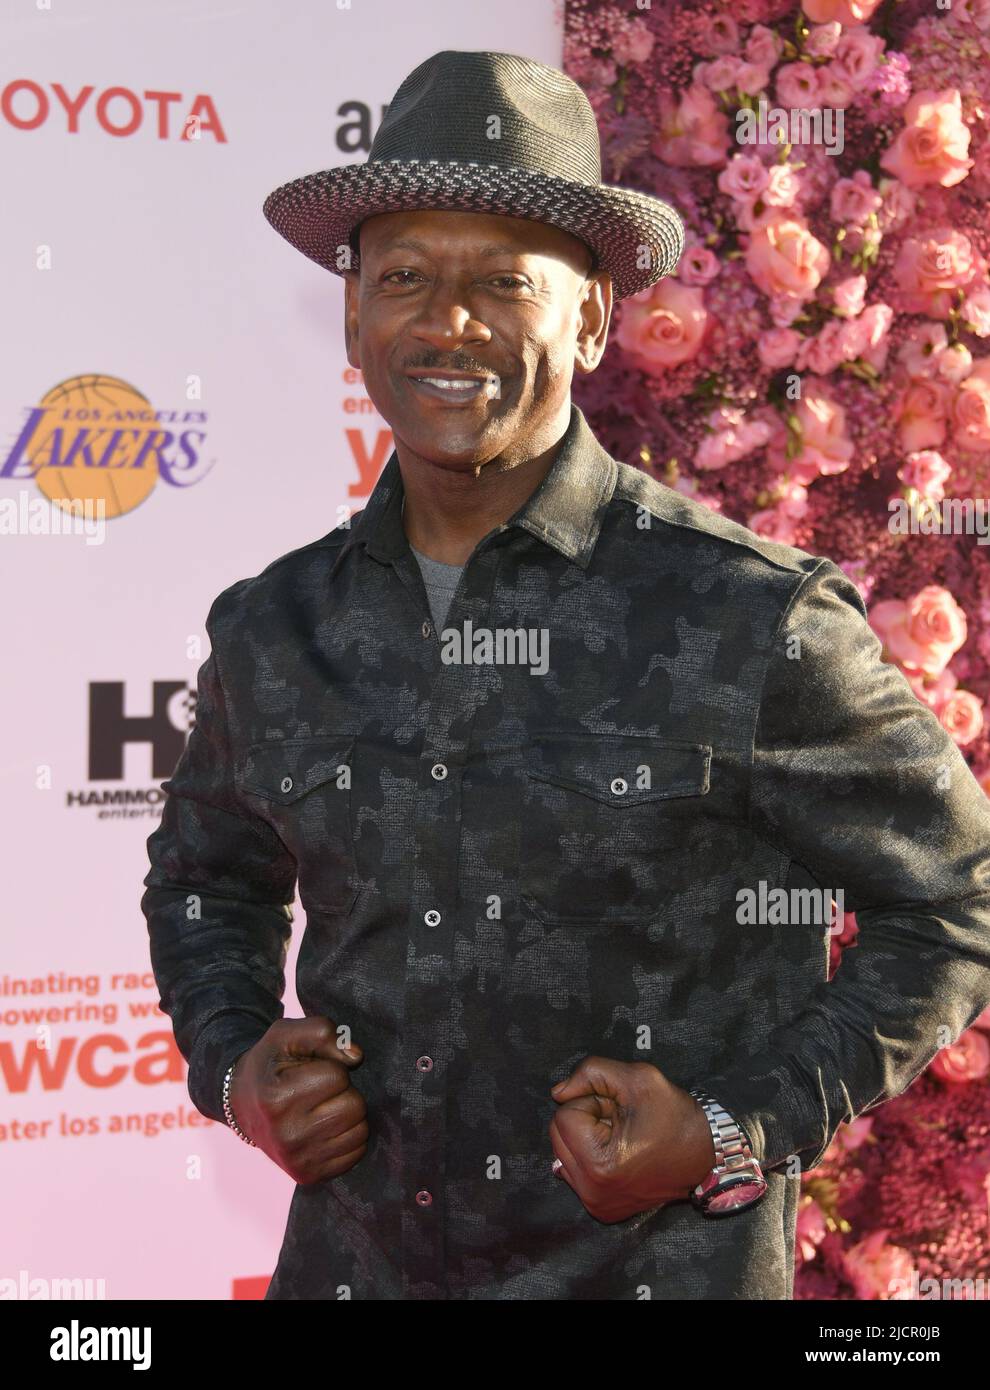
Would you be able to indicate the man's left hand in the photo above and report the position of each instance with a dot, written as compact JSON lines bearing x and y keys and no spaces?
{"x":629,"y":1139}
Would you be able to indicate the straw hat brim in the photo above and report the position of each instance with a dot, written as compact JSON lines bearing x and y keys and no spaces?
{"x":637,"y":238}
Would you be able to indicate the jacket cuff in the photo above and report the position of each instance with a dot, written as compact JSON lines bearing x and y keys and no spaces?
{"x":217,"y":1048}
{"x":774,"y":1110}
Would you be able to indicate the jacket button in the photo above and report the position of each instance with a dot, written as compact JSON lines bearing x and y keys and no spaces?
{"x":439,"y":771}
{"x":424,"y":1063}
{"x":619,"y":785}
{"x":424,"y":1198}
{"x":427,"y":629}
{"x":432,"y":918}
{"x":287,"y":784}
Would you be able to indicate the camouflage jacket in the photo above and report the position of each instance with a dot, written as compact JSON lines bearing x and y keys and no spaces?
{"x":508,"y":863}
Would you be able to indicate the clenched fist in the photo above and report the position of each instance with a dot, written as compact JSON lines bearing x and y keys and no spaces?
{"x":628,"y":1138}
{"x":292,"y":1094}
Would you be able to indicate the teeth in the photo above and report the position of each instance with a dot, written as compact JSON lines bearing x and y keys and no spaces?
{"x":450,"y":385}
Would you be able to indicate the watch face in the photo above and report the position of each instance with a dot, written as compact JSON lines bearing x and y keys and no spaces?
{"x":739,"y":1194}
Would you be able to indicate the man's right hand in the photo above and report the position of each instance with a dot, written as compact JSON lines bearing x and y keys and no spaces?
{"x":292,"y":1094}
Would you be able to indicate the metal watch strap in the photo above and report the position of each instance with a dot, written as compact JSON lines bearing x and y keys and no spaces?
{"x":228,"y":1113}
{"x":732,"y":1147}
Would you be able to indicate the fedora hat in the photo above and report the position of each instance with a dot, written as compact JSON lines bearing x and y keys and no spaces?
{"x":492,"y":133}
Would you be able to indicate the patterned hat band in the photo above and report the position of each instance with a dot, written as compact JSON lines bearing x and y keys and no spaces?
{"x":433,"y":152}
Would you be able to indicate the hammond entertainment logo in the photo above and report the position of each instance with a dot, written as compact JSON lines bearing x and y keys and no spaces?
{"x":96,"y":439}
{"x":163,"y":731}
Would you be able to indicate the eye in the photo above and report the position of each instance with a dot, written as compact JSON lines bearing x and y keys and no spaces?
{"x":513,"y":281}
{"x":393,"y":273}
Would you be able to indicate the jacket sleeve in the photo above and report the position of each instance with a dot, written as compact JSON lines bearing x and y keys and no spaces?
{"x":217,"y":902}
{"x":856,"y":780}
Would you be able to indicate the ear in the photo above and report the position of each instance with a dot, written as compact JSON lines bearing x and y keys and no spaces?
{"x":351,"y":339}
{"x":594,"y":316}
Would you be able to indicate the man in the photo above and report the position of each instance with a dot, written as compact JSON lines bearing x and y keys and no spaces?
{"x":528,"y":731}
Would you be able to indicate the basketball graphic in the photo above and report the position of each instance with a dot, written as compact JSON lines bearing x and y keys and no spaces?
{"x":96,"y":441}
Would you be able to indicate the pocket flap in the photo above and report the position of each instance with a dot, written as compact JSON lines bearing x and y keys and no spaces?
{"x":282,"y":770}
{"x":620,"y":770}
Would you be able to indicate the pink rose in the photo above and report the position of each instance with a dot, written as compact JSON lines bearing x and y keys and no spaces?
{"x":793,"y":499}
{"x":833,"y":89}
{"x":846,"y":936}
{"x":823,"y":353}
{"x":923,"y":634}
{"x":899,"y":203}
{"x":783,"y":186}
{"x":693,"y":133}
{"x":797,"y":86}
{"x":811,"y":1228}
{"x":752,"y":78}
{"x":663,"y":327}
{"x":927,"y":472}
{"x":698,"y":266}
{"x":601,"y":72}
{"x":857,"y":54}
{"x":743,"y":177}
{"x":773,"y":525}
{"x":855,"y":1134}
{"x":955,"y":363}
{"x":932,"y":267}
{"x":844,"y":12}
{"x":975,"y":311}
{"x":784,"y":309}
{"x":920,"y":353}
{"x":850,"y":295}
{"x":967,"y":1059}
{"x":932,"y":692}
{"x":784,"y":258}
{"x":776,"y":347}
{"x":962,"y":716}
{"x":763,"y":47}
{"x":719,"y":34}
{"x":736,"y":439}
{"x":974,"y":12}
{"x":876,"y":1269}
{"x":825,"y":446}
{"x":822,"y":39}
{"x":847,"y":1139}
{"x":874,"y":324}
{"x":634,"y":44}
{"x":921,"y":414}
{"x":720,"y":75}
{"x":971,"y":414}
{"x":854,"y":199}
{"x":933,"y":147}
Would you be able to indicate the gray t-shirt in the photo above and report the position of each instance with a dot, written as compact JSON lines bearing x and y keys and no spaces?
{"x":441,"y":582}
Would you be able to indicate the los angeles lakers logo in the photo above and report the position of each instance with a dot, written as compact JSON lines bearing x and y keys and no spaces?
{"x":97,"y":438}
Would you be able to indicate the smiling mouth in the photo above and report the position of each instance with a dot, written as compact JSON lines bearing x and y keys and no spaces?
{"x":454,"y":390}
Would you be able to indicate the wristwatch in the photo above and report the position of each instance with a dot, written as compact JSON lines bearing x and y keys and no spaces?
{"x":737,"y":1179}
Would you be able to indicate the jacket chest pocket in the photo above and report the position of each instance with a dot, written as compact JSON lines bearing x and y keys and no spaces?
{"x":302,"y":787}
{"x":607,"y":825}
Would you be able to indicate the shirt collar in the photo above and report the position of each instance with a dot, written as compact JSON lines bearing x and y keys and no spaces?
{"x":565,"y":511}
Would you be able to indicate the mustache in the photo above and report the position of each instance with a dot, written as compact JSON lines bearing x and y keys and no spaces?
{"x":474,"y":368}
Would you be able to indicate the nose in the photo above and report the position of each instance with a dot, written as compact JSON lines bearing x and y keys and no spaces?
{"x":445,"y":321}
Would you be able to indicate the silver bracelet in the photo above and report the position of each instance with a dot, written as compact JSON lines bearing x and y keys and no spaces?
{"x":228,"y":1113}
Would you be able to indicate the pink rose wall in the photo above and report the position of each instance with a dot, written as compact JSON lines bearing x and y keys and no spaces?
{"x":144,"y":292}
{"x":822,"y":351}
{"x":166,"y":352}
